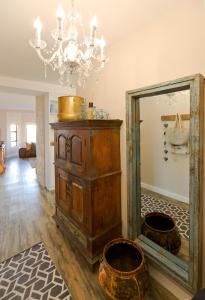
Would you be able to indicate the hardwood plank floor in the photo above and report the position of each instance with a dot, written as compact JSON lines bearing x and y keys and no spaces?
{"x":26,"y":218}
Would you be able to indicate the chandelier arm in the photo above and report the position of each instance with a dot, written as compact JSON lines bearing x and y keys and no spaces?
{"x":46,"y":60}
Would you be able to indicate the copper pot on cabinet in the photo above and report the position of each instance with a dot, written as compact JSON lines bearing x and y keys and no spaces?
{"x":69,"y":108}
{"x":123,"y":273}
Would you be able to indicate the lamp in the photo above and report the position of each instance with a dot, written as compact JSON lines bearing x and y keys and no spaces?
{"x":73,"y":55}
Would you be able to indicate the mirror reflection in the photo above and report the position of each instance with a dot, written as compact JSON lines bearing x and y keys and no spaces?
{"x":164,"y":152}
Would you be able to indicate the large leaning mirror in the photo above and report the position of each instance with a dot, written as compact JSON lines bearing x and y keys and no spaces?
{"x":164,"y":164}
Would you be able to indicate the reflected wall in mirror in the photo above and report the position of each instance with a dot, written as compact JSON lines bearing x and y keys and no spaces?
{"x":164,"y":166}
{"x":165,"y":170}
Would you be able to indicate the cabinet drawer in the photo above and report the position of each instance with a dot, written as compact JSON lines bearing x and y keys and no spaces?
{"x":71,"y":195}
{"x":70,"y":150}
{"x":77,"y":234}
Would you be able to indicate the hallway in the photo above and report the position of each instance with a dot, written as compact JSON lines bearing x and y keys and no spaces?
{"x":19,"y":172}
{"x":19,"y":194}
{"x":26,"y":218}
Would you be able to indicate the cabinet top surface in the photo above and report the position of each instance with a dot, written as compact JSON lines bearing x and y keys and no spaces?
{"x":87,"y":124}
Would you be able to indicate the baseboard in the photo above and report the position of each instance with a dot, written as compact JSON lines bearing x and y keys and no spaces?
{"x":50,"y":188}
{"x":164,"y":192}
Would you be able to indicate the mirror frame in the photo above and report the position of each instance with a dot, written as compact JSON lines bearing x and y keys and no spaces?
{"x":187,"y":274}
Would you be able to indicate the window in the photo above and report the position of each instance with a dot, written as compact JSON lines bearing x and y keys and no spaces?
{"x":13,"y":135}
{"x":31,"y":133}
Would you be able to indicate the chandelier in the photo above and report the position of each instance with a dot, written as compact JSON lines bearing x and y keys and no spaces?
{"x":74,"y":55}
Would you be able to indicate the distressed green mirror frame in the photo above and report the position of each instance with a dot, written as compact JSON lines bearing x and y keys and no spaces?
{"x":187,"y":274}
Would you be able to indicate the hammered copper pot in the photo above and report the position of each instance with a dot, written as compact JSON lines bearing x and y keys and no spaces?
{"x":69,"y":108}
{"x":161,"y":229}
{"x":123,"y":274}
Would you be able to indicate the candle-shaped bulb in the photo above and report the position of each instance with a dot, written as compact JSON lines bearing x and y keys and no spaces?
{"x":60,"y":12}
{"x":94,"y":22}
{"x":102,"y":43}
{"x":60,"y":18}
{"x":93,"y":27}
{"x":37,"y":24}
{"x":102,"y":46}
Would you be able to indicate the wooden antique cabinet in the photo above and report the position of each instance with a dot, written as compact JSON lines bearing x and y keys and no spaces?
{"x":88,"y":183}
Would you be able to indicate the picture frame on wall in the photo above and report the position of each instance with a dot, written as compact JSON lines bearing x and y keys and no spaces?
{"x":53,"y":108}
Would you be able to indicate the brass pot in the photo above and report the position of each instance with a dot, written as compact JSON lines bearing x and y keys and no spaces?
{"x":69,"y":108}
{"x":123,"y":274}
{"x":161,"y":229}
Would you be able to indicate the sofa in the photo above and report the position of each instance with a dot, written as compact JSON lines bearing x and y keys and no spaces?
{"x":28,"y":151}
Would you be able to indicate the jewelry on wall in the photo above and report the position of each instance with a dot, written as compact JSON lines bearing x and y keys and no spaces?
{"x":165,"y":142}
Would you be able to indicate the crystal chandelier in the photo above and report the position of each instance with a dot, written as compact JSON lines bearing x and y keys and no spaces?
{"x":73,"y":54}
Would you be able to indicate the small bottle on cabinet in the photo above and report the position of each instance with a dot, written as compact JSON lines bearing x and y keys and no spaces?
{"x":90,"y":111}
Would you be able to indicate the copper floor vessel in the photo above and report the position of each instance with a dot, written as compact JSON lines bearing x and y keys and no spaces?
{"x":122,"y":273}
{"x":161,"y":229}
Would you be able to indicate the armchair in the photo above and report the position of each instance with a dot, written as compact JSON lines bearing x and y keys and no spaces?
{"x":29,"y":151}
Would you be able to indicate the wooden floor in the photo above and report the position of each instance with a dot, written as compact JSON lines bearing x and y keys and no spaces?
{"x":26,"y":218}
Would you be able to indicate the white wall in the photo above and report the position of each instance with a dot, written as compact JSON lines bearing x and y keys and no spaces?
{"x":28,"y":87}
{"x":169,"y":178}
{"x":13,"y":118}
{"x":172,"y":47}
{"x":14,"y":101}
{"x":3,"y":131}
{"x":49,"y":137}
{"x":27,"y":118}
{"x":40,"y":139}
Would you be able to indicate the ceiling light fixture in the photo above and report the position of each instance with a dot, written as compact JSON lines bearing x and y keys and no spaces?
{"x":74,"y":55}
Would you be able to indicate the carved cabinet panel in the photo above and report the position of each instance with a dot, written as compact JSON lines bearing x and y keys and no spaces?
{"x":61,"y":188}
{"x":62,"y":144}
{"x":71,"y":197}
{"x":70,"y":150}
{"x":76,"y":201}
{"x":88,"y":183}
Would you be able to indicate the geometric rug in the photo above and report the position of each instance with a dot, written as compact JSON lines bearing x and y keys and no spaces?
{"x":179,"y":214}
{"x":32,"y":275}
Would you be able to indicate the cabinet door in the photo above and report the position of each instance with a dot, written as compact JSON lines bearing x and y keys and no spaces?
{"x":76,"y":150}
{"x":61,"y":146}
{"x":62,"y":194}
{"x":71,"y":197}
{"x":77,"y":201}
{"x":71,"y":149}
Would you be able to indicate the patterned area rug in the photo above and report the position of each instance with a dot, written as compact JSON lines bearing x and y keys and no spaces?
{"x":32,"y":275}
{"x":179,"y":214}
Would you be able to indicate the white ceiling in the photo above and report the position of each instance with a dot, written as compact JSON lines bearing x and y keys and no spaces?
{"x":117,"y":18}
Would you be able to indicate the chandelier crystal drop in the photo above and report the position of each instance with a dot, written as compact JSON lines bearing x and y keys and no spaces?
{"x":73,"y":54}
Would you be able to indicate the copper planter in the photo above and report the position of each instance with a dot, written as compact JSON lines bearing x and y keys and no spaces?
{"x":161,"y":229}
{"x":69,"y":108}
{"x":122,"y":273}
